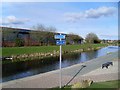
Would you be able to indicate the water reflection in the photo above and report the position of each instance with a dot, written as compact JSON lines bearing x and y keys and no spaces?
{"x":91,"y":55}
{"x":24,"y":69}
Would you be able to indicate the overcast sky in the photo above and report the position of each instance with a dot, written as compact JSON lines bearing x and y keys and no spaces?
{"x":78,"y":17}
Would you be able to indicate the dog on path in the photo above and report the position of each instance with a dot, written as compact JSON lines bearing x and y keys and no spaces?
{"x":107,"y":64}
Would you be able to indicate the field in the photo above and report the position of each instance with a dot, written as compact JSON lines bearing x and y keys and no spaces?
{"x":8,"y":51}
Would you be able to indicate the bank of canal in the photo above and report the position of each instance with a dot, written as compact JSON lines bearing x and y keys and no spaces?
{"x":18,"y":54}
{"x":11,"y":71}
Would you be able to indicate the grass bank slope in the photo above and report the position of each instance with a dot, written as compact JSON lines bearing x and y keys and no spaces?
{"x":8,"y":51}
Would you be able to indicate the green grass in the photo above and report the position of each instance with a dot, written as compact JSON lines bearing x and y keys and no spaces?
{"x":108,"y":84}
{"x":8,"y":51}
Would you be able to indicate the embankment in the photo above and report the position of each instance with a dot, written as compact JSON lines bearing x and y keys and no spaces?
{"x":32,"y":53}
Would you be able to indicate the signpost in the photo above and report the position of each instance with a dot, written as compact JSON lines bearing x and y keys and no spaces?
{"x":60,"y":42}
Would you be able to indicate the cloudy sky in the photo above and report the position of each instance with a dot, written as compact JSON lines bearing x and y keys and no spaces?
{"x":77,"y":17}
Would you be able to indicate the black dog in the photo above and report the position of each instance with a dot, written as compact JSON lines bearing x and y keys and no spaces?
{"x":107,"y":64}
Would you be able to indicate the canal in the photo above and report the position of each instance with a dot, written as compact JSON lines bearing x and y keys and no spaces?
{"x":24,"y":69}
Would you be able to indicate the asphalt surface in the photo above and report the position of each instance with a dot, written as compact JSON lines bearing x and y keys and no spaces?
{"x":90,"y":65}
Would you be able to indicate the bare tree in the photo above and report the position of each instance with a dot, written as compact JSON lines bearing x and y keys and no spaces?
{"x":44,"y":34}
{"x":51,"y":29}
{"x":39,"y":27}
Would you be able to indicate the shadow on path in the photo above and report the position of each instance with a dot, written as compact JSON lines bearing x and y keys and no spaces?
{"x":75,"y":75}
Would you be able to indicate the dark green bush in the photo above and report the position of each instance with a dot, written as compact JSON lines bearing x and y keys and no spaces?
{"x":19,"y":42}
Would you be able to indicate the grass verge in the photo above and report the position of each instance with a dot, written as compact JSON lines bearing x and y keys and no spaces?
{"x":107,"y":84}
{"x":8,"y":51}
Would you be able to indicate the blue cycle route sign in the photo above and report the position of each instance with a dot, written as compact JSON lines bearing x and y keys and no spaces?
{"x":59,"y":36}
{"x":60,"y":42}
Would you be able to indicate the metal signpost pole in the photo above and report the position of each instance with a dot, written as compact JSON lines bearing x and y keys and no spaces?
{"x":60,"y":65}
{"x":60,"y":41}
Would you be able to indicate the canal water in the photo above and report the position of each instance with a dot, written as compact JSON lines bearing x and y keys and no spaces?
{"x":29,"y":68}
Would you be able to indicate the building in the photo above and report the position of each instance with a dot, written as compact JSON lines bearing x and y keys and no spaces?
{"x":23,"y":37}
{"x":10,"y":35}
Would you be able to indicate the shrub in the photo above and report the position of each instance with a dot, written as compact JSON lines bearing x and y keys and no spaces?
{"x":82,"y":84}
{"x":19,"y":42}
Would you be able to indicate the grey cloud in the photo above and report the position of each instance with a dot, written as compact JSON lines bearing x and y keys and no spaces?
{"x":12,"y":20}
{"x":90,"y":14}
